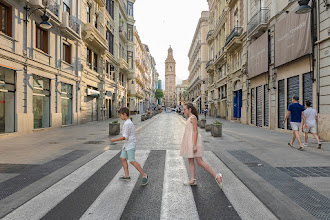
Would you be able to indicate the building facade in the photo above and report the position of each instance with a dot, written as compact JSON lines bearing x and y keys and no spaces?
{"x":181,"y":93}
{"x":198,"y":58}
{"x":74,"y":72}
{"x":227,"y":60}
{"x":39,"y":68}
{"x":170,"y":79}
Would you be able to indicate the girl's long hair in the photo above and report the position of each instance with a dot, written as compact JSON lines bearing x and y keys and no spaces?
{"x":193,"y":109}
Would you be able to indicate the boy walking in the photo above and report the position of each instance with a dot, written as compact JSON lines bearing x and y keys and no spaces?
{"x":128,"y":150}
{"x":296,"y":113}
{"x":310,"y":125}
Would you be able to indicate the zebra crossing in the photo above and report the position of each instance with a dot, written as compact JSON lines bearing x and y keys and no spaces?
{"x":94,"y":191}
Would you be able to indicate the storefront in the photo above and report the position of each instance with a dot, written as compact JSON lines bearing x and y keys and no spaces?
{"x":92,"y":105}
{"x":41,"y":102}
{"x":66,"y":103}
{"x":7,"y":100}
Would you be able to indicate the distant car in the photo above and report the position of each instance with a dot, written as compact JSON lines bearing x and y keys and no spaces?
{"x":168,"y":109}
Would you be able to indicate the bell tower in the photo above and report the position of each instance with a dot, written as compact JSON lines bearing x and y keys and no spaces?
{"x":170,"y":79}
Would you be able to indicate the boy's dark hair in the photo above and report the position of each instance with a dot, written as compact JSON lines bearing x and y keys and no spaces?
{"x":308,"y":103}
{"x":295,"y":97}
{"x":124,"y":110}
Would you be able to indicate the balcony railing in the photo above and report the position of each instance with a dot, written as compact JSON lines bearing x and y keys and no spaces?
{"x":237,"y":31}
{"x":219,"y":53}
{"x":52,"y":5}
{"x":209,"y":63}
{"x":261,"y":17}
{"x":209,"y":34}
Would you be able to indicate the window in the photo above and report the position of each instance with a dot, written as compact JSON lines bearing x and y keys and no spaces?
{"x":42,"y":39}
{"x":130,"y":9}
{"x":88,"y":13}
{"x":130,"y":32}
{"x":67,"y":53}
{"x":130,"y":59}
{"x":6,"y":18}
{"x":66,"y":8}
{"x":89,"y":58}
{"x":110,"y":8}
{"x":109,"y":36}
{"x":95,"y":62}
{"x":95,"y":20}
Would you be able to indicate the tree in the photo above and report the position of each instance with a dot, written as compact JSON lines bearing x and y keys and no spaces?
{"x":159,"y":94}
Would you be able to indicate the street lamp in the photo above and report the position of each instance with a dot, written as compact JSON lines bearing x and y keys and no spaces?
{"x":303,"y":7}
{"x":45,"y":24}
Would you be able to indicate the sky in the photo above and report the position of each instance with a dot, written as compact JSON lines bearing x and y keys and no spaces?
{"x":161,"y":23}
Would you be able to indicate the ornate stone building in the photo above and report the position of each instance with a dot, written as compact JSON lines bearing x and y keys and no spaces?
{"x":170,"y":79}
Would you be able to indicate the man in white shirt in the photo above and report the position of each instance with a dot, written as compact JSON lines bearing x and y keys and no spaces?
{"x":310,"y":125}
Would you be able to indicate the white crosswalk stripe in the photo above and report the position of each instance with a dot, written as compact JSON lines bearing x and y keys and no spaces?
{"x":111,"y":202}
{"x":177,"y":201}
{"x":41,"y":204}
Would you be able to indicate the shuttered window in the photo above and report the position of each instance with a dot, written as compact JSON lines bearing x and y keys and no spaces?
{"x":281,"y":103}
{"x":266,"y":106}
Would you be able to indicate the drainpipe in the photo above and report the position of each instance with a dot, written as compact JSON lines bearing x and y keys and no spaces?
{"x":318,"y":57}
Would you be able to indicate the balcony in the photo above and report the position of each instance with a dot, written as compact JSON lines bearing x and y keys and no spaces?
{"x":209,"y":37}
{"x":258,"y":23}
{"x":123,"y":34}
{"x":209,"y":66}
{"x":52,"y":6}
{"x":69,"y":27}
{"x":95,"y":37}
{"x":232,"y":39}
{"x":220,"y":55}
{"x":124,"y":65}
{"x":101,"y":3}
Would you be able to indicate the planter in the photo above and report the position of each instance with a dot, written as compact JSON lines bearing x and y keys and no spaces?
{"x":216,"y":130}
{"x":202,"y":123}
{"x":142,"y":118}
{"x":208,"y":127}
{"x":114,"y":128}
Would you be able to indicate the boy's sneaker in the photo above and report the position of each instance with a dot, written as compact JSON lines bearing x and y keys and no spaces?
{"x":145,"y":180}
{"x":301,"y":148}
{"x":123,"y":178}
{"x":319,"y":146}
{"x":305,"y":145}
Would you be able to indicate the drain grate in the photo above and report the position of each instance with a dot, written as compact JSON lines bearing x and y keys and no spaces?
{"x":206,"y":141}
{"x":94,"y":142}
{"x":306,"y":171}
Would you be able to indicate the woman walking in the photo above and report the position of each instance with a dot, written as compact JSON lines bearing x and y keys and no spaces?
{"x":191,"y":146}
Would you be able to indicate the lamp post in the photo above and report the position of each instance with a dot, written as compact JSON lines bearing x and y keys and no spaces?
{"x":45,"y":19}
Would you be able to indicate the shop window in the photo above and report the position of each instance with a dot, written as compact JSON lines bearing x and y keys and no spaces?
{"x":41,"y":102}
{"x":66,"y":103}
{"x":42,"y":39}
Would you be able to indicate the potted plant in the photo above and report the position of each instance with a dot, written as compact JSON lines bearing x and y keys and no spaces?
{"x":131,"y":118}
{"x":216,"y":129}
{"x":114,"y":128}
{"x":202,"y":123}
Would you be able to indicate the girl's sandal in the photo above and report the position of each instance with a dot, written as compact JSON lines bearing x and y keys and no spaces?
{"x":191,"y":184}
{"x":219,"y":184}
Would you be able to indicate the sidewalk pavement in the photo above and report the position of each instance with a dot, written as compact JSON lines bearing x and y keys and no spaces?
{"x":292,"y":184}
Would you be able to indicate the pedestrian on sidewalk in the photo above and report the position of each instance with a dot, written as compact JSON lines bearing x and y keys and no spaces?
{"x":296,"y":113}
{"x":128,"y":149}
{"x":310,"y":125}
{"x":205,"y":112}
{"x":191,"y":146}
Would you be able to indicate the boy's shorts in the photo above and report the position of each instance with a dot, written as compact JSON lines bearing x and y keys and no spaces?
{"x":128,"y":154}
{"x":311,"y":129}
{"x":295,"y":125}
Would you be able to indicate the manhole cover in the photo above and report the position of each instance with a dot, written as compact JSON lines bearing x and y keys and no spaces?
{"x":94,"y":142}
{"x":54,"y":142}
{"x":253,"y":164}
